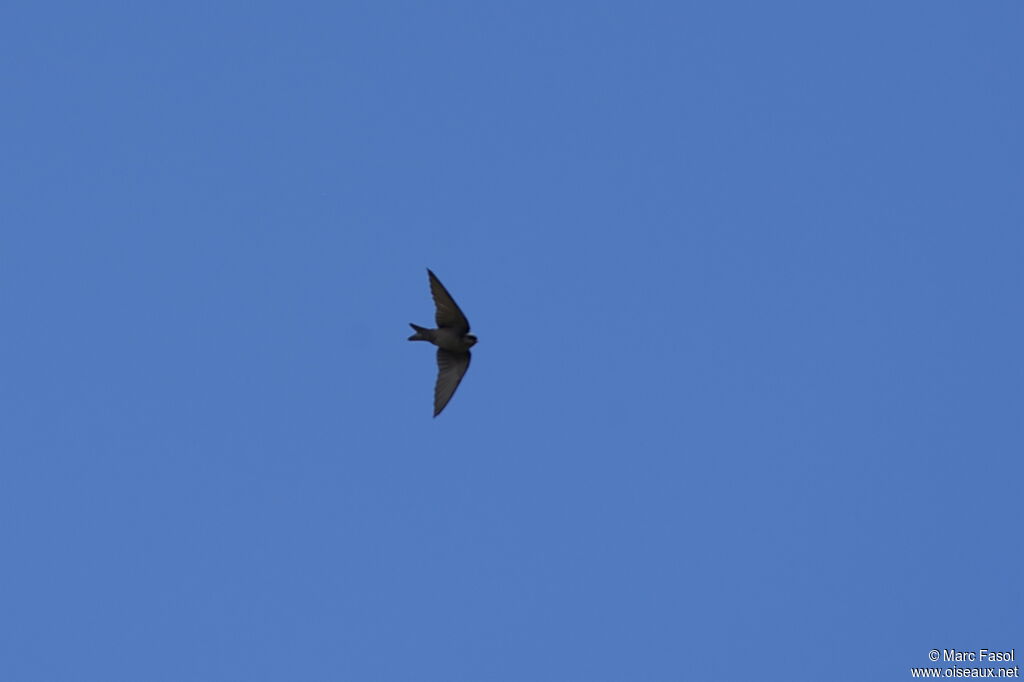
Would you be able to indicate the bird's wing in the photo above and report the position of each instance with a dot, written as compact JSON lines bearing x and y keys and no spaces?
{"x":451,"y":367}
{"x":448,"y":314}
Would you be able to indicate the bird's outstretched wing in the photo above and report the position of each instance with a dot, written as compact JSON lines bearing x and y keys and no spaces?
{"x":448,"y":313}
{"x":451,"y":367}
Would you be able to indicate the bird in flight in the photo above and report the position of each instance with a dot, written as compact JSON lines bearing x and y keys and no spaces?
{"x":452,"y":339}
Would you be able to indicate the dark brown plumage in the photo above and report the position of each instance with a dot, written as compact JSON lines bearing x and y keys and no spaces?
{"x":453,"y":342}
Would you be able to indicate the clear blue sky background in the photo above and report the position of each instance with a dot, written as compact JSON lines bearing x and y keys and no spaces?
{"x":748,"y":397}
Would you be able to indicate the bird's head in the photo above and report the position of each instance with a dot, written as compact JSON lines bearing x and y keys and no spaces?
{"x":470,"y":340}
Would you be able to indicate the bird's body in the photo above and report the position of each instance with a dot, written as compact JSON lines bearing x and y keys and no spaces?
{"x":453,"y":342}
{"x":445,"y":338}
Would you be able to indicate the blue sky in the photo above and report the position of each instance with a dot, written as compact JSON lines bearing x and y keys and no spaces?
{"x":748,"y":397}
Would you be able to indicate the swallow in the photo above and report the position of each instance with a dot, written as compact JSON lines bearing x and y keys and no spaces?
{"x":452,"y":339}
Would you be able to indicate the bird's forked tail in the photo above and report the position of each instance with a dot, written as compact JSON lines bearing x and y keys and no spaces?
{"x":422,"y":333}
